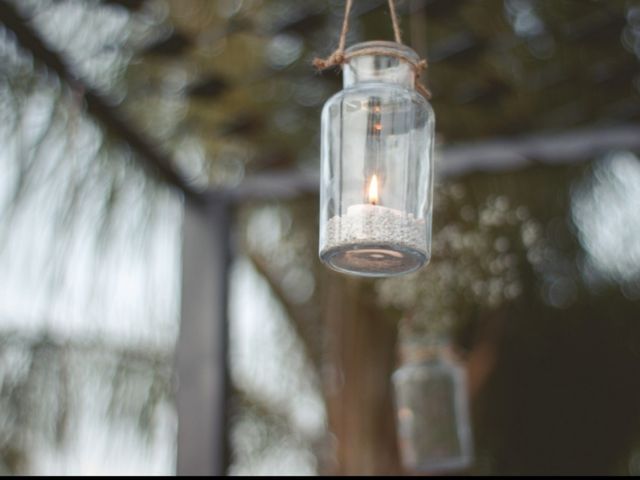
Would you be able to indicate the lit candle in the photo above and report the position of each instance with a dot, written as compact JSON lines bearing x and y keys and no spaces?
{"x":371,"y":208}
{"x":373,"y":190}
{"x":370,"y":234}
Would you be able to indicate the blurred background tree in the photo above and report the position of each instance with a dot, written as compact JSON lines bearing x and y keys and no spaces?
{"x":535,"y":274}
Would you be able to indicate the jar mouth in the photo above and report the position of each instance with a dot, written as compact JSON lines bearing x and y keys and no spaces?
{"x":428,"y":349}
{"x":385,"y":48}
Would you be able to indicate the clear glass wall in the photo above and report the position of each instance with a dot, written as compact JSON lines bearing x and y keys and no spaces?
{"x":377,"y":166}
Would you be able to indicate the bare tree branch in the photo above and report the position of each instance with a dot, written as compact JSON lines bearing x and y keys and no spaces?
{"x":295,"y":313}
{"x":100,"y":107}
{"x":496,"y":155}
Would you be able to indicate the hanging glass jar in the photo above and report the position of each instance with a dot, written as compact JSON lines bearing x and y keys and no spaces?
{"x":377,"y":165}
{"x":434,"y":430}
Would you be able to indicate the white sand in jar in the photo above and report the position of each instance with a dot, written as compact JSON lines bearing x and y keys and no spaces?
{"x":373,"y":224}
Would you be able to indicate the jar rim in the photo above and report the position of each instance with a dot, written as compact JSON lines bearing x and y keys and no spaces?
{"x":385,"y":47}
{"x":423,"y":350}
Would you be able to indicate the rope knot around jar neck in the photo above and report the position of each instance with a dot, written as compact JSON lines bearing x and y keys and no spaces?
{"x":418,"y":68}
{"x":340,"y":57}
{"x":336,"y":58}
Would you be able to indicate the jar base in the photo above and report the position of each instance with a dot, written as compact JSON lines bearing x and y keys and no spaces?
{"x":373,"y":259}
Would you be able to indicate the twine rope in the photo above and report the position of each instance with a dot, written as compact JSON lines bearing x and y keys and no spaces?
{"x":340,"y":57}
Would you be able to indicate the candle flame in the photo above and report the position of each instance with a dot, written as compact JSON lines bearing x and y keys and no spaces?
{"x":373,"y":190}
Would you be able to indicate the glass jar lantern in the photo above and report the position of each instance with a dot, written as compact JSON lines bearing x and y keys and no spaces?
{"x":377,"y":166}
{"x":431,"y":399}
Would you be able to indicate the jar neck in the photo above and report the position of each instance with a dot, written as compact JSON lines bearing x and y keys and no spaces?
{"x":432,"y":349}
{"x":390,"y":64}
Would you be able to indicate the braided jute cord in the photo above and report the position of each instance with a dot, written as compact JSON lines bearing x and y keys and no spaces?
{"x":340,"y":57}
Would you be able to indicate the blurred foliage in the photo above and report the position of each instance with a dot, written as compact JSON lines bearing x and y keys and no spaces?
{"x":44,"y":382}
{"x":226,"y":88}
{"x":510,"y":274}
{"x":87,"y":325}
{"x":477,"y":251}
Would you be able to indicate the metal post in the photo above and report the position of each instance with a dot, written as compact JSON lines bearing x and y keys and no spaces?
{"x":202,"y":345}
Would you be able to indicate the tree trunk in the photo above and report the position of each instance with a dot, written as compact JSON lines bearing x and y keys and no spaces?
{"x":361,"y":356}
